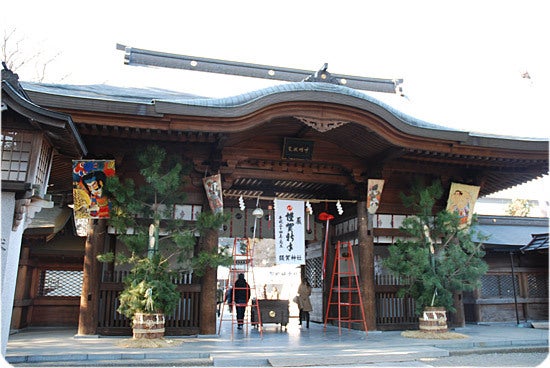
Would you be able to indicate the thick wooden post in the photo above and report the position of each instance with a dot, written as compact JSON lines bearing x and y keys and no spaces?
{"x":366,"y":263}
{"x":209,"y":243}
{"x":91,"y":277}
{"x":21,"y":287}
{"x":458,"y":317}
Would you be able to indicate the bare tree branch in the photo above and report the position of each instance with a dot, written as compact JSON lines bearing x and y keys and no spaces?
{"x":15,"y":58}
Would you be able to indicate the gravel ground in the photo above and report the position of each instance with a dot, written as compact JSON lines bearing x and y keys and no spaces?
{"x":523,"y":359}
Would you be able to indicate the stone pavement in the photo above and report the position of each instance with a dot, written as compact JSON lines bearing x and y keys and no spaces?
{"x":296,"y":346}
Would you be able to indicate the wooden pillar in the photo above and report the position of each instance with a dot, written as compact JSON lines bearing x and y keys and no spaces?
{"x":458,"y":317}
{"x":21,"y":290}
{"x":366,"y":263}
{"x":477,"y":307}
{"x":91,"y":277}
{"x":209,"y":243}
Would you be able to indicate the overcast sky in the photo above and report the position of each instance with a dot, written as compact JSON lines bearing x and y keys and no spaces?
{"x":462,"y":62}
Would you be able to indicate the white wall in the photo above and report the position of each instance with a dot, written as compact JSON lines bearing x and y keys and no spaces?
{"x":11,"y":248}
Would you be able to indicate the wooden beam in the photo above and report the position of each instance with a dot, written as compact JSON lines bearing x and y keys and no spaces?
{"x":135,"y":56}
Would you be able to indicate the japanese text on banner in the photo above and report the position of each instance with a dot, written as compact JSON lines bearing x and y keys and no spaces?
{"x":289,"y":232}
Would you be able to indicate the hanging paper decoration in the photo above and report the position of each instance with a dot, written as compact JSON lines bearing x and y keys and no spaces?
{"x":462,"y":199}
{"x":309,"y":212}
{"x":241,"y":203}
{"x":213,"y":187}
{"x":89,"y":177}
{"x":374,"y":192}
{"x":339,"y":208}
{"x":289,"y":232}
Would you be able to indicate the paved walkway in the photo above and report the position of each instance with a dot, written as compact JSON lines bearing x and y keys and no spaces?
{"x":295,"y":346}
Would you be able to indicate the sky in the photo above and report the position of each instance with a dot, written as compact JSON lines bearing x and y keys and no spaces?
{"x":463,"y":63}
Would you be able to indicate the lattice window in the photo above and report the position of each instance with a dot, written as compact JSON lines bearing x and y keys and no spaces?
{"x":16,"y":154}
{"x":43,"y":164}
{"x":314,"y":269}
{"x":498,"y":286}
{"x":538,"y":285}
{"x":60,"y":283}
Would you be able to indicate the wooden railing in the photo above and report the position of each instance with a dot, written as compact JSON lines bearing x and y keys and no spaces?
{"x":393,"y":312}
{"x":184,"y":320}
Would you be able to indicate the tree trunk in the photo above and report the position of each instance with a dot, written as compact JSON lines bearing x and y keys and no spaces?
{"x":91,"y":277}
{"x":209,"y":280}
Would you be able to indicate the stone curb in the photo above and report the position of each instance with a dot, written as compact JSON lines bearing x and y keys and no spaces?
{"x":205,"y":359}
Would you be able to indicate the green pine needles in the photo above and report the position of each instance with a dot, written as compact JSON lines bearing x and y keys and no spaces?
{"x":438,"y":256}
{"x":149,"y":288}
{"x":159,"y":245}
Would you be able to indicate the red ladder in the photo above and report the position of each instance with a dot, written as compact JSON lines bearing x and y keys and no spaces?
{"x":242,"y":263}
{"x":345,"y":296}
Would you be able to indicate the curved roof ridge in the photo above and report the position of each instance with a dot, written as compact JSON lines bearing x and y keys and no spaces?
{"x":168,"y":101}
{"x":248,"y":97}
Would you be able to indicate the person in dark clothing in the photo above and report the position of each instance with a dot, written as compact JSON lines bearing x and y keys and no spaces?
{"x":241,"y":295}
{"x":220,"y":298}
{"x":304,"y":303}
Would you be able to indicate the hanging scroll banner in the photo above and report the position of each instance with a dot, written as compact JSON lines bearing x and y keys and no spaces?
{"x":213,"y":187}
{"x":289,"y":232}
{"x":89,"y":177}
{"x":374,"y":192}
{"x":462,"y":199}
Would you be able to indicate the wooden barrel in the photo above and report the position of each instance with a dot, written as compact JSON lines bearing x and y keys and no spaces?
{"x":434,"y":319}
{"x":148,"y":325}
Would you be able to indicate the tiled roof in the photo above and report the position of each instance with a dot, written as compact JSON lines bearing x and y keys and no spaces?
{"x":539,"y":242}
{"x":509,"y":231}
{"x":157,"y":102}
{"x":152,"y":96}
{"x":107,"y":93}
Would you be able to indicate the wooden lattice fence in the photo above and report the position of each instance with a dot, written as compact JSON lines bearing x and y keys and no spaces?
{"x":184,"y":320}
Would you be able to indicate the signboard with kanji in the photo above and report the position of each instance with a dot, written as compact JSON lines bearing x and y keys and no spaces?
{"x":289,"y":232}
{"x":294,"y":148}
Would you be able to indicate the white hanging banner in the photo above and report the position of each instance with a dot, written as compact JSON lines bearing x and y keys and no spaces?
{"x":289,"y":232}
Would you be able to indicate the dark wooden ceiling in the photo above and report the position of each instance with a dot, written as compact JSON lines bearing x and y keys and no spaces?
{"x":251,"y":163}
{"x":353,"y":138}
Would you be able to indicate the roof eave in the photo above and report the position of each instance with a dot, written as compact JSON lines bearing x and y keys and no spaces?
{"x":48,"y":120}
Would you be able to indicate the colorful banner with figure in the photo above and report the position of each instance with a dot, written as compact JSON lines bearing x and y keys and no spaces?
{"x":374,"y":192}
{"x":289,"y":232}
{"x":89,"y":177}
{"x":462,"y":199}
{"x":213,"y":187}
